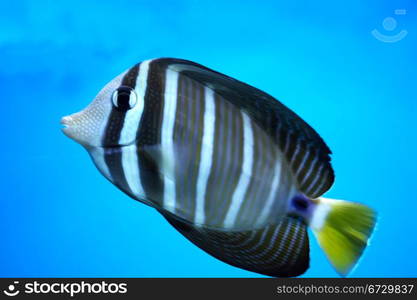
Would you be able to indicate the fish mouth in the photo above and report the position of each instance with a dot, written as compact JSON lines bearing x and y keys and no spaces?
{"x":66,"y":123}
{"x":71,"y":128}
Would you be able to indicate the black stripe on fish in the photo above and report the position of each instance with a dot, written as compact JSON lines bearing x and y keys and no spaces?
{"x":113,"y":156}
{"x":222,"y":194}
{"x":228,"y":147}
{"x":188,"y":131}
{"x":197,"y":122}
{"x":117,"y":116}
{"x":234,"y":151}
{"x":148,"y":136}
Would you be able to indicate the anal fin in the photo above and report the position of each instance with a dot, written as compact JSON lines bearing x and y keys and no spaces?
{"x":279,"y":250}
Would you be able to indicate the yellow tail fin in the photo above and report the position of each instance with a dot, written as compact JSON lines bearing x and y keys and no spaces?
{"x":342,"y":229}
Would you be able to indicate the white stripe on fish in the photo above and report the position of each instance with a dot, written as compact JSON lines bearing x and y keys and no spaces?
{"x":206,"y":154}
{"x":167,"y":138}
{"x":245,"y":176}
{"x":133,"y":116}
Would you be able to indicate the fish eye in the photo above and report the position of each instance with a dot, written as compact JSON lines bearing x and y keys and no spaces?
{"x":124,"y":98}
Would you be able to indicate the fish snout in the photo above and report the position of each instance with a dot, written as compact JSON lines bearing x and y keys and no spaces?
{"x":66,"y":122}
{"x":69,"y":126}
{"x":79,"y":128}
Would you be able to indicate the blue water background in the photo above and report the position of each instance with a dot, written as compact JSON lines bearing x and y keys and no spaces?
{"x":60,"y":217}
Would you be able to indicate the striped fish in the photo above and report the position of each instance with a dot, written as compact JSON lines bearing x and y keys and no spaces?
{"x":230,"y":167}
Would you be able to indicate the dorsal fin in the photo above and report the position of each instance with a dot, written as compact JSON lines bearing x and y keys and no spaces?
{"x":279,"y":250}
{"x":304,"y":149}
